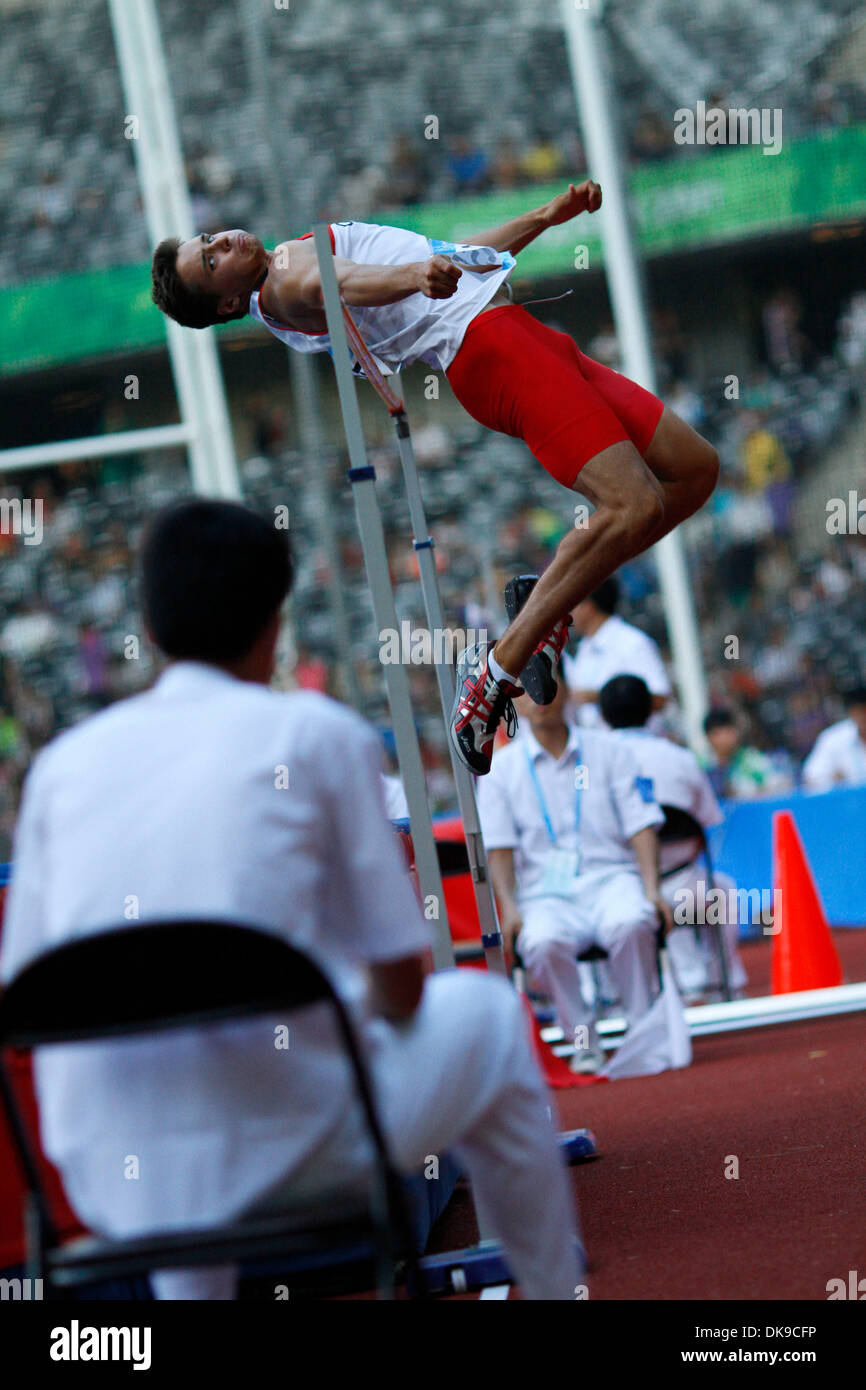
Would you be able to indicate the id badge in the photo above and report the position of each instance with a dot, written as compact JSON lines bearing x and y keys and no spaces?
{"x":560,"y":869}
{"x":476,"y":259}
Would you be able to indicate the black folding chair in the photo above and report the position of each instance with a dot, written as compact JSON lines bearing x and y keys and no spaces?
{"x":681,"y":827}
{"x":593,"y":956}
{"x":150,"y":978}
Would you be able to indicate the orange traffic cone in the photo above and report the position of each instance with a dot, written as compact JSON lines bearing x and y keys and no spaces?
{"x":804,"y":956}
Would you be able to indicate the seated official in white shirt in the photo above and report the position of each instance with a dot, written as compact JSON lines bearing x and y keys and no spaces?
{"x":573,"y":851}
{"x":608,"y":647}
{"x":839,"y":756}
{"x":211,"y":796}
{"x":675,"y":778}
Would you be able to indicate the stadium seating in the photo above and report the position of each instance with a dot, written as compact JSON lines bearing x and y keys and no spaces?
{"x":338,"y":80}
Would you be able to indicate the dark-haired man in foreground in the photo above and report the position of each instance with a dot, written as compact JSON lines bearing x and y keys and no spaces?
{"x":448,"y":305}
{"x":208,"y":797}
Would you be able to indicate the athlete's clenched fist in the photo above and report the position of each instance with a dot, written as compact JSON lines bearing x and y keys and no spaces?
{"x":578,"y":198}
{"x":437,"y":278}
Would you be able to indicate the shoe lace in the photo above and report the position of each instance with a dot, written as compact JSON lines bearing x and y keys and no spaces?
{"x":475,"y":703}
{"x":504,"y":709}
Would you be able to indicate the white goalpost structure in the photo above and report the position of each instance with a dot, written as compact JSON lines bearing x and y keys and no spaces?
{"x":168,"y":212}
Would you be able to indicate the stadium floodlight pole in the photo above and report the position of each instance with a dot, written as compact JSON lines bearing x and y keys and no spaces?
{"x":362,"y":476}
{"x":305,"y":387}
{"x":491,"y":936}
{"x":168,"y":211}
{"x":596,"y":105}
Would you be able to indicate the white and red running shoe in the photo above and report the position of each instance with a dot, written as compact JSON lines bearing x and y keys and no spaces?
{"x":538,"y":677}
{"x":480,"y":703}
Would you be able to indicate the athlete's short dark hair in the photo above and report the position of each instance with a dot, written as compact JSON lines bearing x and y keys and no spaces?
{"x":625,"y":702}
{"x":191,"y":308}
{"x":854,"y":695}
{"x":719,"y":719}
{"x":213,"y":575}
{"x":606,"y":596}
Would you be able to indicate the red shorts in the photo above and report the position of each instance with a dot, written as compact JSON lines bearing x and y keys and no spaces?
{"x":516,"y":375}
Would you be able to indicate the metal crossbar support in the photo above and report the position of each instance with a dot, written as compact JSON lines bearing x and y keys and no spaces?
{"x":491,"y":937}
{"x":363,"y":479}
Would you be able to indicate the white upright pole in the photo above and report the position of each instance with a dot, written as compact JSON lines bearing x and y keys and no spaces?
{"x":168,"y":212}
{"x":597,"y":105}
{"x":279,"y":212}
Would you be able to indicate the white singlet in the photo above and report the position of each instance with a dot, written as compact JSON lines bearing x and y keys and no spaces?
{"x":415,"y":328}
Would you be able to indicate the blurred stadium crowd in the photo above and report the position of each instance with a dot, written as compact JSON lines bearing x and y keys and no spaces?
{"x":352,"y":82}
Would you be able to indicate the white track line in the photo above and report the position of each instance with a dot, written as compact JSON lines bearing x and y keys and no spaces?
{"x":495,"y":1291}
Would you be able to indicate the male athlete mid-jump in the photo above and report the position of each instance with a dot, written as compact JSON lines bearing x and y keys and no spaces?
{"x":643,"y":468}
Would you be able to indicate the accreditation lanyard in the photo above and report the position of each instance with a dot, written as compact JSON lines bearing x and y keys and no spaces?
{"x":542,"y":804}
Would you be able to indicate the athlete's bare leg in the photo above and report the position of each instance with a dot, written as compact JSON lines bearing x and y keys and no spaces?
{"x":637,"y":501}
{"x":685,"y":464}
{"x":629,"y":513}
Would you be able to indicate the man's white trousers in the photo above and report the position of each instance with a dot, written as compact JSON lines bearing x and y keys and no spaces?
{"x":608,"y":908}
{"x":460,"y":1077}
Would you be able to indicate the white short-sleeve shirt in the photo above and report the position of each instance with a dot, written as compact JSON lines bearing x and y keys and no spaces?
{"x":205,"y":797}
{"x":675,"y":778}
{"x":415,"y":328}
{"x":614,"y":805}
{"x":838,"y":758}
{"x":617,"y":648}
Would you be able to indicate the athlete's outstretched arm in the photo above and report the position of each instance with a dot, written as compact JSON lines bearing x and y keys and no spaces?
{"x":294,"y":285}
{"x":386,"y":284}
{"x":520,"y":231}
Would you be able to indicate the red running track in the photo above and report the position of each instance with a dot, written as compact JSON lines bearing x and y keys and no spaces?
{"x":661,"y":1220}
